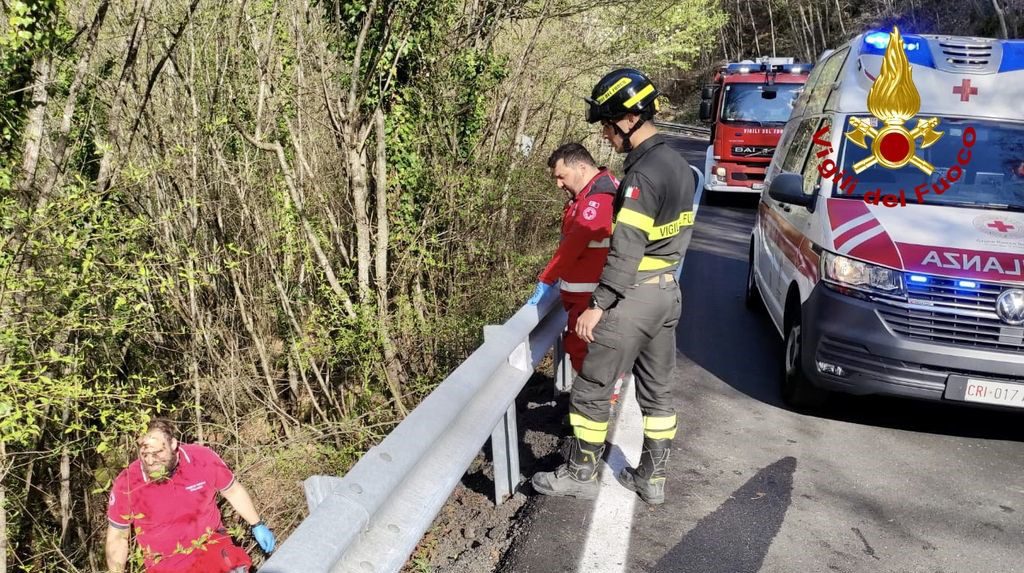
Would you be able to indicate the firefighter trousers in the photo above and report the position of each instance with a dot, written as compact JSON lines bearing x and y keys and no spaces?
{"x":640,"y":331}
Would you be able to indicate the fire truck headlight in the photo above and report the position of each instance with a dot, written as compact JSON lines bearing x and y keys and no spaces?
{"x":847,"y":273}
{"x":720,"y":171}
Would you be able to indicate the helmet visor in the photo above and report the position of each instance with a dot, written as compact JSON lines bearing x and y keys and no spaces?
{"x":593,"y":110}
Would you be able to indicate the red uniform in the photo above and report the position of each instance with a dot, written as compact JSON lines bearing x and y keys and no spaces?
{"x":586,"y":232}
{"x":177,"y":522}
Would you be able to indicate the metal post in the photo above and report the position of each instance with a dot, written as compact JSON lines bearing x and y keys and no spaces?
{"x":563,"y":368}
{"x":505,"y":453}
{"x":317,"y":489}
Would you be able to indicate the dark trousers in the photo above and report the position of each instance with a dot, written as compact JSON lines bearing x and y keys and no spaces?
{"x":640,"y":331}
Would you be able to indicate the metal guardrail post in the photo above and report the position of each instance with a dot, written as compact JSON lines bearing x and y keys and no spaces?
{"x":505,"y":456}
{"x":563,"y":367}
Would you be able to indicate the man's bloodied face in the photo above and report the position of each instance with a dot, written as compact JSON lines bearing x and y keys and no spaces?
{"x":158,"y":454}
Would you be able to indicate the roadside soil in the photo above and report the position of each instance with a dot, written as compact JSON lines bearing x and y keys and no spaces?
{"x":471,"y":534}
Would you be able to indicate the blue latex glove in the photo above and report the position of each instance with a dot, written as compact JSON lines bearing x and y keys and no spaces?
{"x":264,"y":537}
{"x":539,"y":292}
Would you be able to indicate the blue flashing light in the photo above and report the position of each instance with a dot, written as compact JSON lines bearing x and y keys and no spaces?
{"x":1013,"y":56}
{"x":918,"y":279}
{"x":914,"y":46}
{"x":878,"y":39}
{"x":967,"y":284}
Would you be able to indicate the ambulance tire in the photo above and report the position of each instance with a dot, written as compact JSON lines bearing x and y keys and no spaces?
{"x":798,"y":392}
{"x":752,"y":296}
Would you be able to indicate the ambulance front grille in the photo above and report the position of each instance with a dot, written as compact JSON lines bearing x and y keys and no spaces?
{"x":964,"y":54}
{"x":943,"y":312}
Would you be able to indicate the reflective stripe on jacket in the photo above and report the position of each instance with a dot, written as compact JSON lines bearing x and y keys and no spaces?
{"x":653,"y":219}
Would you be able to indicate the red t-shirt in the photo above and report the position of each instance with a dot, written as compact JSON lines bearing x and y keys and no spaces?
{"x":170,"y":517}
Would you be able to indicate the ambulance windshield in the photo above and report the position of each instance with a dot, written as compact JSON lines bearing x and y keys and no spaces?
{"x":759,"y":103}
{"x":974,"y":163}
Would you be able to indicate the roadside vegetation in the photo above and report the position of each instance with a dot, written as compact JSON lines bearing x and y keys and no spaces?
{"x":283,"y":222}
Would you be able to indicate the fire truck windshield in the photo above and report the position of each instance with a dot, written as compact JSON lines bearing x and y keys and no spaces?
{"x":754,"y":103}
{"x":987,"y":174}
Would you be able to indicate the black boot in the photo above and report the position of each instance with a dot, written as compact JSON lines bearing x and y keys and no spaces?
{"x":577,"y":477}
{"x":648,"y":479}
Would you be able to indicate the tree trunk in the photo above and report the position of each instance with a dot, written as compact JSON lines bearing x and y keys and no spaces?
{"x":842,"y":25}
{"x":753,"y":26}
{"x":110,"y":141}
{"x":381,"y":200}
{"x":393,"y":369}
{"x":65,"y":494}
{"x":812,"y":42}
{"x":41,"y":70}
{"x":771,"y":25}
{"x":357,"y":169}
{"x":3,"y":530}
{"x":1002,"y":18}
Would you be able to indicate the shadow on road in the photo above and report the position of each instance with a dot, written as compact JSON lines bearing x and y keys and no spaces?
{"x":735,"y":538}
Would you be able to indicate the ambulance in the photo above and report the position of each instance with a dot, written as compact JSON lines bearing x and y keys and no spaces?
{"x":888,"y":248}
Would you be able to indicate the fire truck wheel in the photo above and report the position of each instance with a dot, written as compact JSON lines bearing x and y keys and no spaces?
{"x":797,"y":391}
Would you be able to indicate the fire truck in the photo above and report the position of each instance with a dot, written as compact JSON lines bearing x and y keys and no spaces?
{"x":747,"y":105}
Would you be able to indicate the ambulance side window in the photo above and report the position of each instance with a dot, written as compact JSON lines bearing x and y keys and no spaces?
{"x":803,"y":135}
{"x":829,"y":72}
{"x":810,"y":168}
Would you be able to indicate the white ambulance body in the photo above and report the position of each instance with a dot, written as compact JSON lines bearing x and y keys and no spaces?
{"x":922,"y":298}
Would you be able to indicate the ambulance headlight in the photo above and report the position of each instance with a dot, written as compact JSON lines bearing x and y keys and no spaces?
{"x":843,"y":274}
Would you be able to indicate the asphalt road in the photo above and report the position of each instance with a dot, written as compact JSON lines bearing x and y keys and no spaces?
{"x":867,"y":485}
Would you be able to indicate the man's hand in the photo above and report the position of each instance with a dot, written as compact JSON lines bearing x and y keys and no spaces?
{"x":538,"y":293}
{"x":264,"y":537}
{"x":586,"y":323}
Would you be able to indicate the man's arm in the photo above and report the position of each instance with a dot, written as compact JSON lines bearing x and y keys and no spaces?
{"x":241,"y":501}
{"x":117,"y":548}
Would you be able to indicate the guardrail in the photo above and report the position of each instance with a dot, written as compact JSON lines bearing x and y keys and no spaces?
{"x":371,"y":520}
{"x":683,"y":129}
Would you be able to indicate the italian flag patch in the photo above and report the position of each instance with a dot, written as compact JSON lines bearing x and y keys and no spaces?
{"x":633,"y":192}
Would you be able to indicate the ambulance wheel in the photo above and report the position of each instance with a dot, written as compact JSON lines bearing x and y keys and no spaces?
{"x":752,"y":297}
{"x":798,"y":391}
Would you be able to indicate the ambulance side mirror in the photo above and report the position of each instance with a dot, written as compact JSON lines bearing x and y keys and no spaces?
{"x":788,"y":188}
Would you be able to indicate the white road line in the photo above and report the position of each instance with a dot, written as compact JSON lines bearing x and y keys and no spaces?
{"x":607,"y":546}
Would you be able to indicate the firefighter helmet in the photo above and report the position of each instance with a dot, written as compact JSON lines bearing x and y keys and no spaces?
{"x":622,"y":91}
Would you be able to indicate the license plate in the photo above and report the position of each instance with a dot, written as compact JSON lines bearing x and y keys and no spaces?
{"x":987,"y":392}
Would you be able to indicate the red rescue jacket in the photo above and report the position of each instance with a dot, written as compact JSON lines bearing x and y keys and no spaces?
{"x":586,"y":236}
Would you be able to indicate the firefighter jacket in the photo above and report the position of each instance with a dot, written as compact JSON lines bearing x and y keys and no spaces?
{"x":653,"y":219}
{"x":586,"y":226}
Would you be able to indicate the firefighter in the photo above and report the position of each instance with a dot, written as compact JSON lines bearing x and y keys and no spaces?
{"x":633,"y":312}
{"x":586,"y":228}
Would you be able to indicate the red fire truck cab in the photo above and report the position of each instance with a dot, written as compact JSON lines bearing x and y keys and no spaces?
{"x":747,"y":105}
